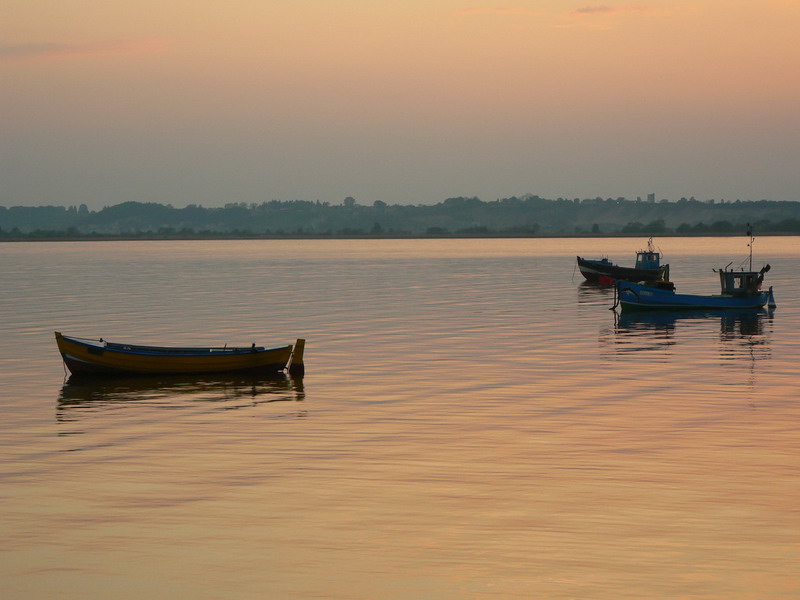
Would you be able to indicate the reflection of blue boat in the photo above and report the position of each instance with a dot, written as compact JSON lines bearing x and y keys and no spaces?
{"x":747,"y":320}
{"x":648,"y":267}
{"x":742,"y":332}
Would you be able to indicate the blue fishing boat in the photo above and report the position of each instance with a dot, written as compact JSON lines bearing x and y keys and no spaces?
{"x":740,"y":289}
{"x":648,"y":267}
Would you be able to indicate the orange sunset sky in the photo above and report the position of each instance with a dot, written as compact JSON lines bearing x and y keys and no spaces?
{"x":412,"y":102}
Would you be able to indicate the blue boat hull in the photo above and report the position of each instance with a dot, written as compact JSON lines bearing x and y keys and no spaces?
{"x":642,"y":297}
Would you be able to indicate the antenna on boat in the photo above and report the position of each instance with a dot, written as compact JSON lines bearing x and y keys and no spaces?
{"x":750,"y":244}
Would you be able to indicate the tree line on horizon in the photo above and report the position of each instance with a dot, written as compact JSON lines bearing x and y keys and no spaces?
{"x":517,"y":216}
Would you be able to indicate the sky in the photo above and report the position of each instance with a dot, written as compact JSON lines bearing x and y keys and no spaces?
{"x":406,"y":102}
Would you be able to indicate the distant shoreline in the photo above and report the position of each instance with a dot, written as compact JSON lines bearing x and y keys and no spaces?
{"x":455,"y":218}
{"x":167,"y":238}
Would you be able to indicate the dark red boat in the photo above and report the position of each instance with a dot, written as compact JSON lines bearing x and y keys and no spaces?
{"x":648,"y":268}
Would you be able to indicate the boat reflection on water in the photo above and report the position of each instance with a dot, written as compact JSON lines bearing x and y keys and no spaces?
{"x":231,"y":392}
{"x":741,"y":332}
{"x":594,"y":293}
{"x":732,"y":322}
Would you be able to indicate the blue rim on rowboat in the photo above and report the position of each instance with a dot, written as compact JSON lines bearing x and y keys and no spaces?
{"x":648,"y":267}
{"x":90,"y":357}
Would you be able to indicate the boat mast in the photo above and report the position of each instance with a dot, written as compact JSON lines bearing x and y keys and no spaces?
{"x":750,"y":244}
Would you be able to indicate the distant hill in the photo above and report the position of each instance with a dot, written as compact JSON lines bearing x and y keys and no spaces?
{"x":517,"y":216}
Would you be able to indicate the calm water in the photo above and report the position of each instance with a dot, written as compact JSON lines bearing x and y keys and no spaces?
{"x":474,"y":423}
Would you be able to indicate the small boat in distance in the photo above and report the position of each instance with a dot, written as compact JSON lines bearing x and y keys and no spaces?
{"x":90,"y":357}
{"x":740,"y":289}
{"x":648,"y":267}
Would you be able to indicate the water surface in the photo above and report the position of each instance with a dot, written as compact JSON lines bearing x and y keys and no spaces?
{"x":474,"y":423}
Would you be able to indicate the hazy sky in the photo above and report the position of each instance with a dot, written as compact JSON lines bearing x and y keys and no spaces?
{"x":412,"y":101}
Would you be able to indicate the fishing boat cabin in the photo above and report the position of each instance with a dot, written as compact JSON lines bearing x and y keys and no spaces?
{"x":648,"y":259}
{"x":741,"y":283}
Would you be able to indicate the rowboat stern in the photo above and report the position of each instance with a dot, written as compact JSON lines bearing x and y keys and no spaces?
{"x":295,"y":366}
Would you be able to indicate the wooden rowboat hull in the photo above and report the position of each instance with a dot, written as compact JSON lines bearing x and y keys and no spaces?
{"x":90,"y":357}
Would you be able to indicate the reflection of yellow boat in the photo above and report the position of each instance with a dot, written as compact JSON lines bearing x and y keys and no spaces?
{"x":98,"y":357}
{"x":78,"y":392}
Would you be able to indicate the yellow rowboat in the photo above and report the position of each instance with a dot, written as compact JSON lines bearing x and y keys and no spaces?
{"x":98,"y":357}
